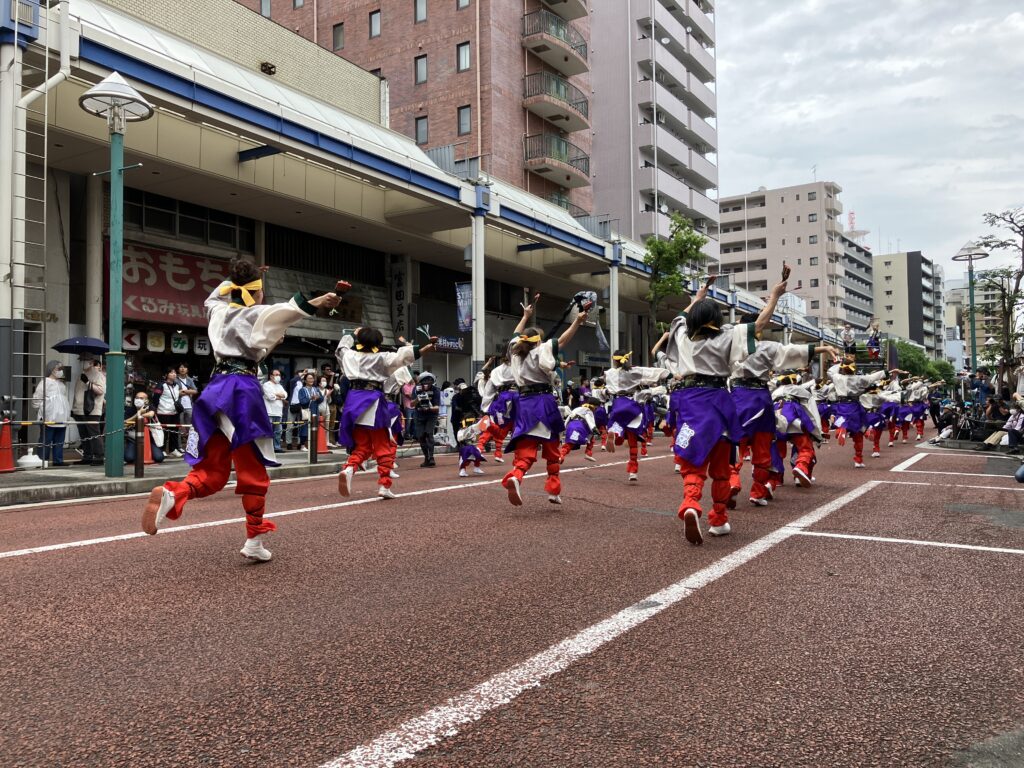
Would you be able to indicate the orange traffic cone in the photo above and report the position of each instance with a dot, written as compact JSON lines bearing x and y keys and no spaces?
{"x":6,"y":452}
{"x":321,"y":438}
{"x":147,"y":450}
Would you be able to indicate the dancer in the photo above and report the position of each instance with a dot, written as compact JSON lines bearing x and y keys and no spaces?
{"x":823,"y":394}
{"x":875,"y":422}
{"x":891,"y":396}
{"x":630,"y":387}
{"x":538,"y":426}
{"x":229,"y":420}
{"x":703,"y":351}
{"x":469,"y":453}
{"x":917,"y":407}
{"x":849,"y":413}
{"x":581,"y":429}
{"x":798,"y":422}
{"x":366,"y":419}
{"x":498,"y":394}
{"x":600,"y":394}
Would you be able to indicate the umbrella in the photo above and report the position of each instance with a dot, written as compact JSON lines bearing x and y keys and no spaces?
{"x":80,"y":344}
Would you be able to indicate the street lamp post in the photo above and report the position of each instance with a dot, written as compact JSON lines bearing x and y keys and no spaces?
{"x":971,"y":254}
{"x":117,"y":102}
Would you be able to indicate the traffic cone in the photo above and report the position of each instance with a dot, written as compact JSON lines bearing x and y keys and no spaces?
{"x":6,"y":451}
{"x":147,"y":450}
{"x":321,"y":438}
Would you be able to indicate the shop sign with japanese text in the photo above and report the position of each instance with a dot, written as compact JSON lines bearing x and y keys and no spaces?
{"x":163,"y":286}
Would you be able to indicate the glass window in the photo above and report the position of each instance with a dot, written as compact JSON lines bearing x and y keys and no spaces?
{"x":462,"y":57}
{"x":813,"y":261}
{"x":815,"y":304}
{"x":420,"y":68}
{"x":338,"y":36}
{"x":460,"y":4}
{"x":814,"y":282}
{"x":812,"y":217}
{"x":421,"y":130}
{"x":374,"y":23}
{"x":419,"y":10}
{"x":813,"y":239}
{"x":465,"y":120}
{"x":798,"y":218}
{"x":798,"y":196}
{"x":298,"y":3}
{"x":265,"y":8}
{"x":812,"y":195}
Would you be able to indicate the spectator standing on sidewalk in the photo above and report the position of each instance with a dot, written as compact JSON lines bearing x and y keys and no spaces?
{"x":275,"y":397}
{"x":168,"y":410}
{"x":87,"y":406}
{"x":428,"y":405}
{"x":294,"y":410}
{"x":141,"y":409}
{"x":53,"y":410}
{"x":849,"y":339}
{"x":310,"y":398}
{"x":409,"y":408}
{"x":189,"y":391}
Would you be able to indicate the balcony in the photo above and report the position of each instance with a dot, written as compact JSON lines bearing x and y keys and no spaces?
{"x":556,"y":100}
{"x":702,"y":57}
{"x":700,"y":20}
{"x":570,"y":10}
{"x":702,"y":171}
{"x":564,"y":202}
{"x":701,"y":99}
{"x":676,"y":156}
{"x":732,"y":239}
{"x":674,"y":114}
{"x":558,"y":160}
{"x":556,"y":42}
{"x":832,"y":204}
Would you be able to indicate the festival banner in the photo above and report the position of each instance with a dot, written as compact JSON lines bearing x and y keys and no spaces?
{"x":464,"y":301}
{"x":164,"y":286}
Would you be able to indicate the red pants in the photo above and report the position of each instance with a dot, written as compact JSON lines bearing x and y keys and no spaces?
{"x":495,"y":433}
{"x":211,"y":474}
{"x":376,"y":443}
{"x":716,"y":465}
{"x":876,"y":439}
{"x":858,"y":447}
{"x":632,"y":466}
{"x":805,"y":452}
{"x":760,"y":449}
{"x":526,"y":452}
{"x":918,"y":425}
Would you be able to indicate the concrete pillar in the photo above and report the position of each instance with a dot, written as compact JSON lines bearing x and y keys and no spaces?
{"x":613,"y":299}
{"x":10,"y":78}
{"x":478,"y":248}
{"x":94,"y":306}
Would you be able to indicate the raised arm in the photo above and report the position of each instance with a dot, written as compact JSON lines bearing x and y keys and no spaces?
{"x":528,"y":310}
{"x":657,"y":347}
{"x":569,"y":332}
{"x":765,"y":317}
{"x":703,"y":292}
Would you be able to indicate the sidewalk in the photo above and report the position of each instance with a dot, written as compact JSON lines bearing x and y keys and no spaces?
{"x":75,"y":482}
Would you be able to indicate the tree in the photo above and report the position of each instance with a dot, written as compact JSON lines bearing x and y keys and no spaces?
{"x":912,"y":359}
{"x":1006,"y":281}
{"x":673,"y":262}
{"x":942,"y":369}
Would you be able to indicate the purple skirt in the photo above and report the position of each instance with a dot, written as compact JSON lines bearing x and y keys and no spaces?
{"x":577,"y":432}
{"x":824,"y":411}
{"x":624,"y":411}
{"x":702,"y":418}
{"x":913,"y":412}
{"x":541,"y":408}
{"x":848,"y":416}
{"x":891,"y":412}
{"x":503,"y":407}
{"x":240,"y":398}
{"x":754,"y":410}
{"x":395,"y":420}
{"x":469,"y":453}
{"x":796,"y":415}
{"x":875,"y":420}
{"x":357,"y":402}
{"x":601,"y":416}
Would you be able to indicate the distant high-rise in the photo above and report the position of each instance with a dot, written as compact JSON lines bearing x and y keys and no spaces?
{"x":908,"y":300}
{"x":655,"y":139}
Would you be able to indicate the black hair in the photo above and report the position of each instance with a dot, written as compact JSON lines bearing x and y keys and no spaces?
{"x":369,"y":338}
{"x":749,"y":317}
{"x":242,"y":271}
{"x":703,"y":320}
{"x":620,"y":353}
{"x":522,"y":348}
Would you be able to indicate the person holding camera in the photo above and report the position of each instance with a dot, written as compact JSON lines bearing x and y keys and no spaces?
{"x":168,"y":410}
{"x":427,"y":407}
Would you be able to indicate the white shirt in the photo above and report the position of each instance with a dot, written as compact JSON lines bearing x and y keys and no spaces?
{"x":53,"y":406}
{"x":371,"y":366}
{"x":271,"y":390}
{"x":170,"y":393}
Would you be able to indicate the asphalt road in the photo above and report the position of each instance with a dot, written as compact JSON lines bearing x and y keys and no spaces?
{"x":874,"y":619}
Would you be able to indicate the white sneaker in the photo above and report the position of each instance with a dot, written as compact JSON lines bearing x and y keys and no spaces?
{"x":858,"y":465}
{"x":589,"y":458}
{"x":554,"y":498}
{"x":604,"y":449}
{"x":759,"y":502}
{"x":633,"y":477}
{"x":394,"y":465}
{"x":891,"y":443}
{"x":875,"y":454}
{"x":160,"y":502}
{"x":477,"y":471}
{"x":676,"y":469}
{"x":904,"y":441}
{"x":386,"y":493}
{"x":514,"y":496}
{"x":499,"y":459}
{"x":254,"y":550}
{"x":463,"y":473}
{"x":393,"y":475}
{"x":917,"y":439}
{"x":802,"y":478}
{"x":691,"y":526}
{"x":771,"y":491}
{"x":720,"y":530}
{"x":345,"y":481}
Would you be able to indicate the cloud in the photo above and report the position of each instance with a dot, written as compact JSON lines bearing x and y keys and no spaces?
{"x":915,"y":107}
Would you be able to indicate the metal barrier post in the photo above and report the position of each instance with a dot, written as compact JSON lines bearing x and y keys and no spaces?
{"x":140,"y":446}
{"x":314,"y":426}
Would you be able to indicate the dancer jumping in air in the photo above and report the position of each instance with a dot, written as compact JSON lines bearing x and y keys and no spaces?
{"x":230,"y":424}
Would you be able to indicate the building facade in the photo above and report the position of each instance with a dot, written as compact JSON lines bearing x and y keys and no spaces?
{"x":858,"y":282}
{"x":655,"y":137}
{"x":907,"y":303}
{"x":987,"y":320}
{"x":799,"y":226}
{"x":504,"y":84}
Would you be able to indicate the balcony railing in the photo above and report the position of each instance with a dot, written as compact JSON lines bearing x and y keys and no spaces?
{"x":547,"y":84}
{"x":564,"y":202}
{"x":546,"y":23}
{"x":549,"y":146}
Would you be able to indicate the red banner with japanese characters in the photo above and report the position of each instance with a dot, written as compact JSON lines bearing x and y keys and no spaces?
{"x":163,"y":286}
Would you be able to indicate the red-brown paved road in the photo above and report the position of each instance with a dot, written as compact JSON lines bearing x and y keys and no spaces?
{"x":173,"y":651}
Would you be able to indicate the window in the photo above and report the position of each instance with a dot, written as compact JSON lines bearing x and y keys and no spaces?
{"x":799,"y":240}
{"x":815,"y":305}
{"x":419,"y":10}
{"x":888,"y":278}
{"x":888,"y":263}
{"x":888,"y":307}
{"x":782,"y":198}
{"x":165,"y":216}
{"x":298,"y":3}
{"x":375,"y":23}
{"x":813,"y":239}
{"x":783,"y":219}
{"x":265,"y":8}
{"x":421,"y":68}
{"x":813,"y":261}
{"x":799,"y":262}
{"x":814,"y":282}
{"x":462,"y":57}
{"x":460,"y":4}
{"x":798,"y":218}
{"x":465,"y":120}
{"x":888,"y":293}
{"x":798,"y":196}
{"x":783,"y":241}
{"x":338,"y":36}
{"x":421,"y":130}
{"x":812,"y":195}
{"x":888,"y":322}
{"x":812,"y":217}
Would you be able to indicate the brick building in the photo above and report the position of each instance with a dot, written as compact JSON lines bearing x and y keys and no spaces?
{"x":504,"y":82}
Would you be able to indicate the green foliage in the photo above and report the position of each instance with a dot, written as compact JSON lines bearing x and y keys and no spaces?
{"x":941,"y":369}
{"x":912,"y":359}
{"x":674,"y":261}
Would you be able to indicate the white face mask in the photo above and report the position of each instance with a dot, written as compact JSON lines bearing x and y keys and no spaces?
{"x":276,"y":379}
{"x":323,"y":382}
{"x":139,"y":402}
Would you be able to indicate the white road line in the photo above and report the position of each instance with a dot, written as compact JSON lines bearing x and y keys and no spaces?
{"x":955,"y":474}
{"x":918,"y":542}
{"x":902,"y":466}
{"x":978,"y":487}
{"x":285,"y":513}
{"x":444,"y":721}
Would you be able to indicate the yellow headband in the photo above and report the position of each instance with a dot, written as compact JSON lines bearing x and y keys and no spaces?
{"x":247,"y":289}
{"x":533,"y":339}
{"x":623,"y":358}
{"x":362,"y":348}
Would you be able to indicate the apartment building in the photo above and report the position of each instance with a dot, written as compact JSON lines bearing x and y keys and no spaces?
{"x":908,"y":300}
{"x":987,"y":321}
{"x":800,"y":226}
{"x":655,"y":140}
{"x":504,"y":85}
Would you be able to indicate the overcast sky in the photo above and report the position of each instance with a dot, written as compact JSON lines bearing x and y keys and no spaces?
{"x":914,"y":107}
